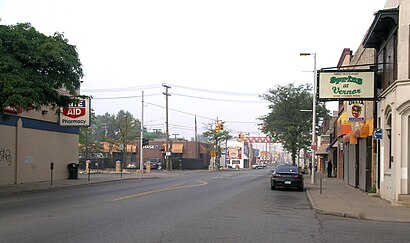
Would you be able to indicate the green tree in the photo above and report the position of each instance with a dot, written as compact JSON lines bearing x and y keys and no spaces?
{"x":215,"y":139}
{"x":105,"y":131}
{"x":121,"y":130}
{"x":36,"y":70}
{"x":285,"y":121}
{"x":89,"y":143}
{"x":127,"y":129}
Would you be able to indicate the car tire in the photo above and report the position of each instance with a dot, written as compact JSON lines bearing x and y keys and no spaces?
{"x":272,"y":187}
{"x":301,"y":189}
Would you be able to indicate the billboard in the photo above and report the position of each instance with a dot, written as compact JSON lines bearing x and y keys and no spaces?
{"x":76,"y":114}
{"x":346,"y":85}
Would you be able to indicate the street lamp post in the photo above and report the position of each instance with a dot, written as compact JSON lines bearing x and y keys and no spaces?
{"x":124,"y":149}
{"x":313,"y":145}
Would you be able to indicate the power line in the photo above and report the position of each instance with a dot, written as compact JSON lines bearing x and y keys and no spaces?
{"x":122,"y":97}
{"x":207,"y":98}
{"x":183,"y":112}
{"x":244,"y":122}
{"x":125,"y":89}
{"x":216,"y":91}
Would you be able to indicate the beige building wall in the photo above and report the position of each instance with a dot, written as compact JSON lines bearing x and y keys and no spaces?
{"x":7,"y":154}
{"x":34,"y":143}
{"x":395,"y":102}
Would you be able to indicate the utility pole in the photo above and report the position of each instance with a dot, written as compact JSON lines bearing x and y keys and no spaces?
{"x":196,"y":140}
{"x":106,"y":130}
{"x":142,"y":134}
{"x":168,"y":163}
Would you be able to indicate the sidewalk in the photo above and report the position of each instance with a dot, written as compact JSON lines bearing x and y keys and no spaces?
{"x":83,"y":180}
{"x":341,"y":199}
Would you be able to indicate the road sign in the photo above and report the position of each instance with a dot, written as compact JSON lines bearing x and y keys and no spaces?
{"x":313,"y":146}
{"x":378,"y":134}
{"x":213,"y":153}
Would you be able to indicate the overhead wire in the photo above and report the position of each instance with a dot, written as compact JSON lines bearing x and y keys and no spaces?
{"x":154,"y":86}
{"x":124,"y":89}
{"x":214,"y":91}
{"x":207,"y":98}
{"x":183,"y":112}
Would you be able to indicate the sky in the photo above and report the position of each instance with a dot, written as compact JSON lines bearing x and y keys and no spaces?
{"x":217,"y":57}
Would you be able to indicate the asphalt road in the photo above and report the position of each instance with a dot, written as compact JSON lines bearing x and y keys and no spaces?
{"x":191,"y":207}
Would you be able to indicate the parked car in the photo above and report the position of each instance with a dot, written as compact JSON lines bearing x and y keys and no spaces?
{"x":154,"y":165}
{"x":258,"y":166}
{"x":287,"y":176}
{"x":132,"y":166}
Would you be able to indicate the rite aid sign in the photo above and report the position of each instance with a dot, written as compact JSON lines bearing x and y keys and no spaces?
{"x":76,"y":114}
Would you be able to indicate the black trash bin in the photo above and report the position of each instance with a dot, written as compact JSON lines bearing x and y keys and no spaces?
{"x":72,"y":171}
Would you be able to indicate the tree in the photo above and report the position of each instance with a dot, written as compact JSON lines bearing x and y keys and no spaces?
{"x":120,"y":130}
{"x":104,"y":129}
{"x":36,"y":70}
{"x":215,"y":138}
{"x":89,"y":143}
{"x":127,"y":129}
{"x":291,"y":126}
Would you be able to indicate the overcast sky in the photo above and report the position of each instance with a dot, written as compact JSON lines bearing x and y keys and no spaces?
{"x":217,"y":56}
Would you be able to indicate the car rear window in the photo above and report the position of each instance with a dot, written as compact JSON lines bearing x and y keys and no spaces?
{"x":287,"y":169}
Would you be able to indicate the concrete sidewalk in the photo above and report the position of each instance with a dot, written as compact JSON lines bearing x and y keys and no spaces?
{"x":83,"y":180}
{"x":341,"y":199}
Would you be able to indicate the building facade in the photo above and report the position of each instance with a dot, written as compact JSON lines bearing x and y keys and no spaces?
{"x":373,"y":153}
{"x":30,"y":142}
{"x":389,"y":35}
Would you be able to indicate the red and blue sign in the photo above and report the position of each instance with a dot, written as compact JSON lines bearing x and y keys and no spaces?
{"x":77,"y":114}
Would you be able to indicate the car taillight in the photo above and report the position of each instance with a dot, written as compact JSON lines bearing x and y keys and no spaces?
{"x":298,"y":176}
{"x":277,"y":175}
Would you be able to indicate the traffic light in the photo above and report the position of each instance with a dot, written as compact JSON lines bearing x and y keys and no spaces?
{"x":221,"y":127}
{"x":241,"y":136}
{"x":217,"y":128}
{"x":145,"y":142}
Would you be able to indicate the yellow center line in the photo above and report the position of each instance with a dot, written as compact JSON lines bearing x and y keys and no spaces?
{"x":168,"y":188}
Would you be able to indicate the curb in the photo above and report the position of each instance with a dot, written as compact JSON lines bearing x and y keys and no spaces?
{"x":326,"y":212}
{"x":55,"y":188}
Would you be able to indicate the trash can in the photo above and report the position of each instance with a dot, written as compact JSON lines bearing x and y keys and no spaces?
{"x":72,"y":171}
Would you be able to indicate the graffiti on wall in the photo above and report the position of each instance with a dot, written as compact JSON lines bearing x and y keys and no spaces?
{"x":5,"y":156}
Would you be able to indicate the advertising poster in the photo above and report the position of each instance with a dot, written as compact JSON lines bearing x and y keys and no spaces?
{"x":355,"y":111}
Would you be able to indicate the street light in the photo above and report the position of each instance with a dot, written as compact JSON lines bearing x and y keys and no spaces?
{"x":313,"y":145}
{"x":124,"y":149}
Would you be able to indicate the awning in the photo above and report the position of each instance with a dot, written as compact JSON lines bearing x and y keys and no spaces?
{"x":177,"y":148}
{"x":384,"y":22}
{"x":323,"y":149}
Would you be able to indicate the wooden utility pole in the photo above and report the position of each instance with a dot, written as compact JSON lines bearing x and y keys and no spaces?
{"x":167,"y":158}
